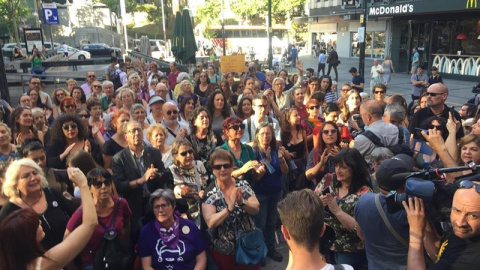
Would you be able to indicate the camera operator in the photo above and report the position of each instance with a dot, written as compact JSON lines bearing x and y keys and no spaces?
{"x":460,"y":246}
{"x":386,"y":244}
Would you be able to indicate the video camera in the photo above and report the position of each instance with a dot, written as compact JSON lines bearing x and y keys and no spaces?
{"x":437,"y":195}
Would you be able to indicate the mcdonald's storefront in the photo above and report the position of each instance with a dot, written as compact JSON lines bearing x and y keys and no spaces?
{"x":446,"y":33}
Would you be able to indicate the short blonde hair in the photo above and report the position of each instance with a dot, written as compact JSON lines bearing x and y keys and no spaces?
{"x":153,"y":128}
{"x":10,"y":186}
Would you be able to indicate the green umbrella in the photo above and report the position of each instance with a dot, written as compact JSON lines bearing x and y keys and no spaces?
{"x":189,"y":45}
{"x":177,"y":36}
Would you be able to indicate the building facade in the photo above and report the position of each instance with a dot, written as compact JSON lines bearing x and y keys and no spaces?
{"x":446,"y":32}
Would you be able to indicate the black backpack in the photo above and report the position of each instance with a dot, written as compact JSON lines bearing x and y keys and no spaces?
{"x":112,"y":254}
{"x":399,"y":148}
{"x":115,"y":79}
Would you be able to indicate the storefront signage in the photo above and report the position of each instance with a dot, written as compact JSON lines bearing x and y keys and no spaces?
{"x":391,"y":10}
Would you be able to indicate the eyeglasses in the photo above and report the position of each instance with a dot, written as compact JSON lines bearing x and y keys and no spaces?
{"x":218,"y":167}
{"x":35,"y":82}
{"x":70,"y":106}
{"x":345,"y":90}
{"x":67,"y":127}
{"x":237,"y":127}
{"x":467,"y":184}
{"x":314,"y":107}
{"x":91,"y":76}
{"x":85,"y":116}
{"x":135,"y":130}
{"x":172,"y":111}
{"x":331,"y":131}
{"x":184,"y":153}
{"x":433,"y":94}
{"x":379,"y":92}
{"x":162,"y":206}
{"x":99,"y":184}
{"x":97,"y":86}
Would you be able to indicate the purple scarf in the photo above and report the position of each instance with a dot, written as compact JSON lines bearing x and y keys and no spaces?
{"x":171,"y":236}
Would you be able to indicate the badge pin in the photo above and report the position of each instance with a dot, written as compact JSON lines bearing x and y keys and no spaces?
{"x":185,"y":229}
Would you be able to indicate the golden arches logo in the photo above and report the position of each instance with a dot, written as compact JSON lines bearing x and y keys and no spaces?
{"x":471,"y":4}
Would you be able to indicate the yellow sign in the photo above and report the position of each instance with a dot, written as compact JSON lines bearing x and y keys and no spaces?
{"x":361,"y":18}
{"x":471,"y":4}
{"x":232,"y":63}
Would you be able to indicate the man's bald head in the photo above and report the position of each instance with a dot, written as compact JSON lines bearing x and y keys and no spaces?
{"x":465,"y":215}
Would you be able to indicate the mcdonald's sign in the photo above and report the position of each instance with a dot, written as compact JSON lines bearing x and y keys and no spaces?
{"x":471,"y":4}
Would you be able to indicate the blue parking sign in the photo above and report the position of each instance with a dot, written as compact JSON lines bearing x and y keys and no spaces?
{"x":50,"y":13}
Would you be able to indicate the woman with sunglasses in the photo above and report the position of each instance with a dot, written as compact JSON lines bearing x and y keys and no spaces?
{"x":170,"y":241}
{"x":189,"y":177}
{"x":219,"y":109}
{"x":428,"y":158}
{"x":325,"y":146}
{"x":331,"y":113}
{"x":100,"y":186}
{"x":22,"y":126}
{"x":204,"y":86}
{"x":68,"y":134}
{"x":57,"y":96}
{"x":243,"y":155}
{"x":117,"y":142}
{"x":229,"y":204}
{"x":27,"y":188}
{"x":379,"y":92}
{"x":96,"y":90}
{"x":68,"y":105}
{"x":79,"y":97}
{"x":267,"y":185}
{"x":313,"y":120}
{"x":244,"y":109}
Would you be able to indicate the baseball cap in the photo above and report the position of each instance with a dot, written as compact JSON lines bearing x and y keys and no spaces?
{"x":352,"y":69}
{"x":391,"y":173}
{"x":155,"y":99}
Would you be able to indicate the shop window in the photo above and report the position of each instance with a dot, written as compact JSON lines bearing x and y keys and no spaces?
{"x":374,"y":46}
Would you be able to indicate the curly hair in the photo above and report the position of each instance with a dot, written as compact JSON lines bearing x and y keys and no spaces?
{"x":285,"y":126}
{"x":54,"y":95}
{"x":57,"y":136}
{"x":355,"y":161}
{"x":210,"y":105}
{"x":193,"y":117}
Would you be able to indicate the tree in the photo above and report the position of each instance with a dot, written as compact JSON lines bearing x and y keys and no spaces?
{"x":10,"y":12}
{"x":204,"y":14}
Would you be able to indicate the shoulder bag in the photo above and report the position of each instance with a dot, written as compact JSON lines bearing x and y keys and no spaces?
{"x":250,"y":247}
{"x":112,"y":253}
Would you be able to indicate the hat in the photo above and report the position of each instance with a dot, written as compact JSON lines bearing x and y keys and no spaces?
{"x":391,"y":173}
{"x":155,"y":99}
{"x":181,"y":76}
{"x":352,"y":70}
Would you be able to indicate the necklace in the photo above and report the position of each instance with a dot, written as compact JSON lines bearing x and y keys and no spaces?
{"x":31,"y":205}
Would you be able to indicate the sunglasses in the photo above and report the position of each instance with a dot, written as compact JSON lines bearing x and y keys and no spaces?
{"x":469,"y":184}
{"x":91,"y":76}
{"x":98,"y":184}
{"x":86,"y":116}
{"x":35,"y":82}
{"x":331,"y":131}
{"x":220,"y":166}
{"x":97,"y":86}
{"x":379,"y":92}
{"x":170,"y":112}
{"x":69,"y":106}
{"x":199,"y":66}
{"x":184,"y":153}
{"x":434,"y":127}
{"x":433,"y":94}
{"x":60,"y":94}
{"x":237,"y":127}
{"x":314,"y":107}
{"x":67,"y":127}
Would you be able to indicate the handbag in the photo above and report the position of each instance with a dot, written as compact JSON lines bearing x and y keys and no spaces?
{"x":250,"y":247}
{"x":112,"y":252}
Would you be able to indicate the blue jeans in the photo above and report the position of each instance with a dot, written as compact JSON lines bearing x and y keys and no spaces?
{"x":267,"y":217}
{"x":356,"y":259}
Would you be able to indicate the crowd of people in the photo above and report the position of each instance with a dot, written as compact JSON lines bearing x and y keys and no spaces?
{"x":175,"y":165}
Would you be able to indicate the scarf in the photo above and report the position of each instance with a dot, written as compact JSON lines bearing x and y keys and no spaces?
{"x":170,"y":237}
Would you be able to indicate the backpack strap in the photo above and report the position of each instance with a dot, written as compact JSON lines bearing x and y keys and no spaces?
{"x":387,"y":222}
{"x":400,"y":136}
{"x":114,"y":216}
{"x":373,"y":138}
{"x":249,"y":126}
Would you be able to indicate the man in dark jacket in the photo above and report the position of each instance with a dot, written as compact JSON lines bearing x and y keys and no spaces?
{"x":332,"y":61}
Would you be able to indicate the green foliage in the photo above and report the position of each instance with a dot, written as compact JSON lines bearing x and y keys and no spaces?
{"x":204,"y":14}
{"x":130,"y":5}
{"x":154,"y":15}
{"x":10,"y":13}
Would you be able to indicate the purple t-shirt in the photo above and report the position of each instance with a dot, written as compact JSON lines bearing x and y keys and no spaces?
{"x":191,"y":244}
{"x":88,"y":253}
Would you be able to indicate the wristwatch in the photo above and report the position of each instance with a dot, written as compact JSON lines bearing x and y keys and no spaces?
{"x":243,"y":202}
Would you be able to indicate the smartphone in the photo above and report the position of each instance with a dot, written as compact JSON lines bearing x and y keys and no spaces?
{"x":326,"y":191}
{"x":356,"y":117}
{"x":61,"y":176}
{"x":452,"y":111}
{"x":422,"y":147}
{"x":420,"y":130}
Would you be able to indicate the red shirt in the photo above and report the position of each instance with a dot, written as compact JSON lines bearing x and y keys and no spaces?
{"x":302,"y":111}
{"x":172,"y":78}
